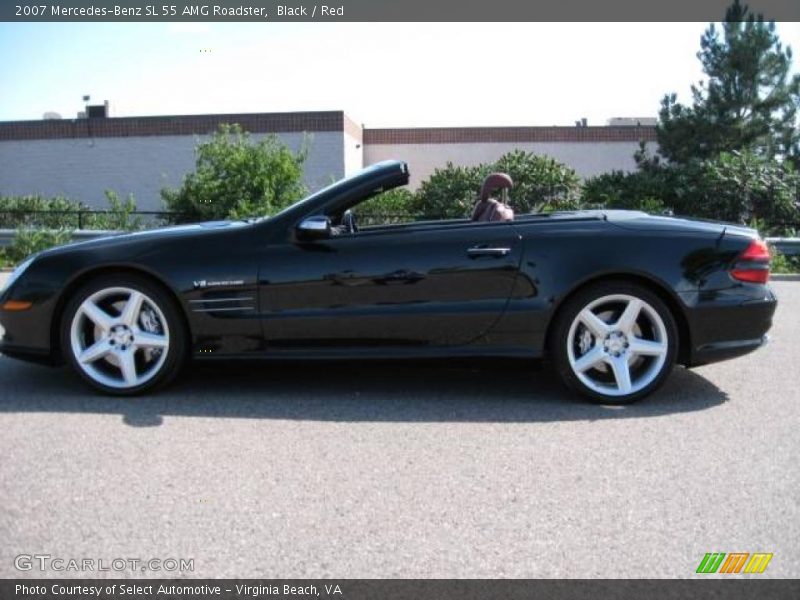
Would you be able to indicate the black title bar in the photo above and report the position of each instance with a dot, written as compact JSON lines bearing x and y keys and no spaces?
{"x":385,"y":10}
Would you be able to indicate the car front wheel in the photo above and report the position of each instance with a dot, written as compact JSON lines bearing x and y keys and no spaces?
{"x":614,"y":342}
{"x":123,"y":335}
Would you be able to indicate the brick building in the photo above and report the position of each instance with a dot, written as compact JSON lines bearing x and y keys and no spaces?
{"x":80,"y":158}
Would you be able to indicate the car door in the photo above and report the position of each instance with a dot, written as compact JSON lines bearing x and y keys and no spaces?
{"x":408,"y":285}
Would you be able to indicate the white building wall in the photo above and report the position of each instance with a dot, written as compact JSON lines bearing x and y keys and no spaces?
{"x":587,"y":158}
{"x":353,"y":154}
{"x":82,"y":169}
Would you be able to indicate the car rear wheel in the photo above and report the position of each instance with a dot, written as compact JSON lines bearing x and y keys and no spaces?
{"x":123,"y":335}
{"x":614,"y":342}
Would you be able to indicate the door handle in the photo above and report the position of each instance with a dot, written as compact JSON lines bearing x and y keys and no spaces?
{"x":477,"y":251}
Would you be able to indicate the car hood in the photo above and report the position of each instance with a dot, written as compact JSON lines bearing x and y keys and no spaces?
{"x":138,"y":238}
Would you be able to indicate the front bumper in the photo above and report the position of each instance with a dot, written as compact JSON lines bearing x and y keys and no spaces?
{"x":26,"y":334}
{"x":34,"y":355}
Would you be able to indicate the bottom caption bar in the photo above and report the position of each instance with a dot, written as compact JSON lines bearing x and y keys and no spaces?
{"x":394,"y":589}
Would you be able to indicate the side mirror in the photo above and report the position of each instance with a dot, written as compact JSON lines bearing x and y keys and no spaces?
{"x":317,"y":227}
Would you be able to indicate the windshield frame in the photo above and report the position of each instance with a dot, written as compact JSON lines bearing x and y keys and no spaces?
{"x":339,"y":190}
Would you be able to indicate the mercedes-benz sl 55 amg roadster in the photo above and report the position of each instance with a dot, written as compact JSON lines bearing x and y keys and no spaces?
{"x":613,"y":299}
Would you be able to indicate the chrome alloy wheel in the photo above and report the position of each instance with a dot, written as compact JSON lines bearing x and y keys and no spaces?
{"x":119,"y":337}
{"x":617,"y":345}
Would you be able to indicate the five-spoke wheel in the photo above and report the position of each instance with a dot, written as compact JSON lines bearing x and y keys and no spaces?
{"x":122,"y":335}
{"x":614,"y":342}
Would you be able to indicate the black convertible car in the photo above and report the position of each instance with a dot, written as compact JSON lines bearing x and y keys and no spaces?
{"x":613,"y":298}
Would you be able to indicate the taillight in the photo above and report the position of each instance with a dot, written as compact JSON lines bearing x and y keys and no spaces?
{"x":752,"y":265}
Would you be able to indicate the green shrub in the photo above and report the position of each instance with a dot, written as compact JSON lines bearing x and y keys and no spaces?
{"x":540,"y":182}
{"x":782,"y":263}
{"x":235,"y":177}
{"x":29,"y":241}
{"x":742,"y":186}
{"x":392,"y":206}
{"x":739,"y":187}
{"x":449,"y":193}
{"x":121,"y":215}
{"x":639,"y":190}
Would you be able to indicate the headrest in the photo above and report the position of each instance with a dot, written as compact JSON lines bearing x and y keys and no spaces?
{"x":495,"y":181}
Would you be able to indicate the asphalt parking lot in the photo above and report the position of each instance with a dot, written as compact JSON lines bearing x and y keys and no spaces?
{"x":413,"y":470}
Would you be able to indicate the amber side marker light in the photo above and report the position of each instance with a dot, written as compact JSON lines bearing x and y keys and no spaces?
{"x":752,"y":265}
{"x":17,"y":305}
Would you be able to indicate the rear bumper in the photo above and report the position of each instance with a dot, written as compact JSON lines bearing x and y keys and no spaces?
{"x":719,"y":351}
{"x":725,"y":324}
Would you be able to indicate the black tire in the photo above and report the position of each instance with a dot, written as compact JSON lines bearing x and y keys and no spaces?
{"x":176,"y":351}
{"x":559,"y":343}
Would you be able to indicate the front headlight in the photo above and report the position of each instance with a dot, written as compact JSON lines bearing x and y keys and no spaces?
{"x":17,"y":273}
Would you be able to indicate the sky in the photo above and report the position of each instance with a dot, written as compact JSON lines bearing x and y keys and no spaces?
{"x":380,"y":74}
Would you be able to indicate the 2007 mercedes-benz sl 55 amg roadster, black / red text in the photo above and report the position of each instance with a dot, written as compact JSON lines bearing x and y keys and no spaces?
{"x":613,"y":298}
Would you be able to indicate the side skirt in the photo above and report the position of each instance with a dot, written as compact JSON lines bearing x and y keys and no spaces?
{"x":416,"y":353}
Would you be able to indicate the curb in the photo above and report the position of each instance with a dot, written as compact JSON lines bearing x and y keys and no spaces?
{"x":785,"y":276}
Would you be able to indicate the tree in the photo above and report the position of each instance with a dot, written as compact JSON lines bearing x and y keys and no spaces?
{"x":749,"y":101}
{"x":236,"y":177}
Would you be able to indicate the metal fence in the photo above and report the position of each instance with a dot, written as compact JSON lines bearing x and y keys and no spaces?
{"x":79,"y":219}
{"x":787,"y":246}
{"x":86,"y":219}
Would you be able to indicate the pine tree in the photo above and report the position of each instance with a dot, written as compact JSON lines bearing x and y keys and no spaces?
{"x":749,"y":101}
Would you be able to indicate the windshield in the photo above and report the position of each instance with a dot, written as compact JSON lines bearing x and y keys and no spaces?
{"x":332,"y":187}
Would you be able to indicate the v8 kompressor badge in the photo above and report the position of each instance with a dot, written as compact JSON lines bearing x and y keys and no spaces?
{"x":203,"y":283}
